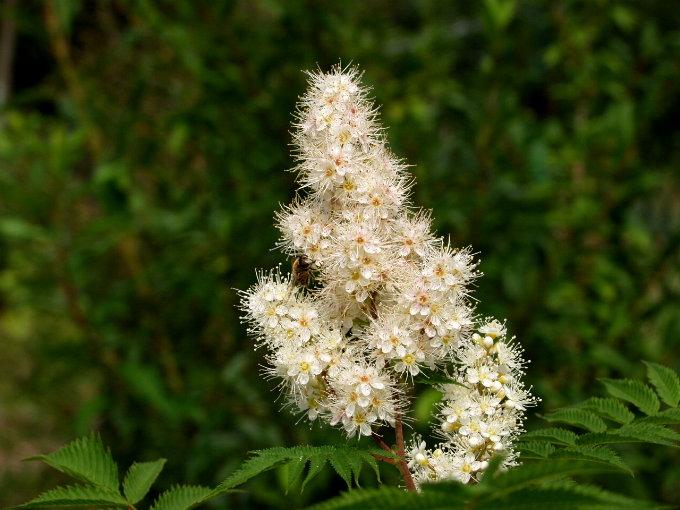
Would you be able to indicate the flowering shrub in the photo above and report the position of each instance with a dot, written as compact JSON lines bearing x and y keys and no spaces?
{"x":375,"y":303}
{"x":388,"y":301}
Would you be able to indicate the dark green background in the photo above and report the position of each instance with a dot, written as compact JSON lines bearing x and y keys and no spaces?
{"x":143,"y":149}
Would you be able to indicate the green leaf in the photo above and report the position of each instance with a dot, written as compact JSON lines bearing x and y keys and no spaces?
{"x":535,"y":449}
{"x":637,"y":432}
{"x":665,"y":381}
{"x":666,"y":417}
{"x":540,"y":471}
{"x":578,"y":418}
{"x":182,"y":497}
{"x":346,"y":460}
{"x":139,"y":479}
{"x":456,"y":496}
{"x":370,"y":460}
{"x":609,"y":408}
{"x":315,"y":467}
{"x":77,"y":495}
{"x":563,"y":496}
{"x":649,"y":430}
{"x":355,"y":463}
{"x":342,"y":466}
{"x":295,"y":469}
{"x":253,"y":466}
{"x":635,"y":392}
{"x":592,"y":453}
{"x":553,"y":435}
{"x":85,"y":459}
{"x":449,"y":496}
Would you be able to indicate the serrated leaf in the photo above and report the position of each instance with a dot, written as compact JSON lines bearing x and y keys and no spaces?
{"x":295,"y":469}
{"x":182,"y":497}
{"x":635,"y":392}
{"x":250,"y":468}
{"x":139,"y":479}
{"x":342,"y":466}
{"x":647,"y":430}
{"x":637,"y":432}
{"x":552,"y":434}
{"x":346,"y":460}
{"x":666,"y":417}
{"x":433,"y":496}
{"x":534,"y":449}
{"x":355,"y":463}
{"x":540,"y":471}
{"x":456,"y":496}
{"x":665,"y":381}
{"x":563,"y":496}
{"x":592,"y":453}
{"x":370,"y":460}
{"x":77,"y":495}
{"x":315,"y":467}
{"x":578,"y":418}
{"x":599,"y":438}
{"x":85,"y":459}
{"x":609,"y":408}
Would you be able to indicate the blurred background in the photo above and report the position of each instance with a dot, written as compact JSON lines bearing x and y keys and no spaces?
{"x":143,"y":149}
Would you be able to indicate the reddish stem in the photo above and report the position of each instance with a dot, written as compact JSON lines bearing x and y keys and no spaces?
{"x":382,"y":445}
{"x":403,"y":467}
{"x":379,"y":440}
{"x":384,"y":459}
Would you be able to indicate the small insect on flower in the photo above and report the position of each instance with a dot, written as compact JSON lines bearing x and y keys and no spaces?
{"x":302,"y":270}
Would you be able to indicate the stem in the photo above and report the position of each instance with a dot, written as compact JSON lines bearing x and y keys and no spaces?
{"x":382,"y":445}
{"x":379,"y":440}
{"x":403,"y":467}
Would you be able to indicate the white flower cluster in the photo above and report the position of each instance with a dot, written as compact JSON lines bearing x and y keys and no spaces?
{"x":481,"y":412}
{"x":388,"y":300}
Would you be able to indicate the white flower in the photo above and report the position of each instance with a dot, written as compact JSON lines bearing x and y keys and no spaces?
{"x":303,"y":367}
{"x":302,"y":226}
{"x":389,"y":336}
{"x":360,"y":422}
{"x":420,"y":297}
{"x":417,"y":455}
{"x":361,"y":238}
{"x":465,"y":467}
{"x":493,"y":329}
{"x":484,"y":374}
{"x":412,"y":234}
{"x":408,"y":362}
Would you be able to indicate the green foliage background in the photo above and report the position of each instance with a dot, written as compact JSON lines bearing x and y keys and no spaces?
{"x":142,"y":155}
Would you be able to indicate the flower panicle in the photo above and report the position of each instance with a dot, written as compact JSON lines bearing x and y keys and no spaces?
{"x":388,"y":299}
